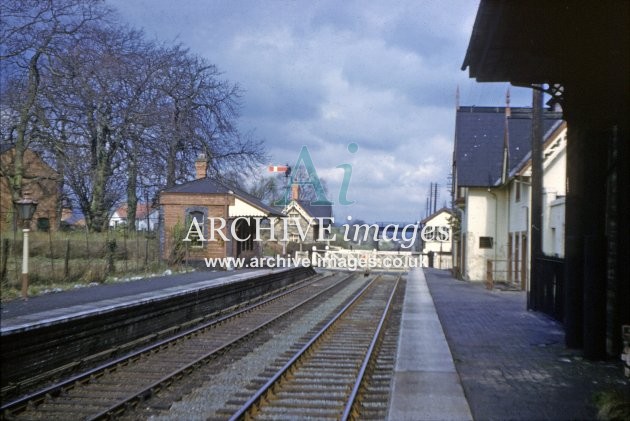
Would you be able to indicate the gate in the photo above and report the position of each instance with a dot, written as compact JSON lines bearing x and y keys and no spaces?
{"x":547,"y":290}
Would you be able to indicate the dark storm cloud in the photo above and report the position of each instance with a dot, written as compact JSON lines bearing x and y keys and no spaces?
{"x":325,"y":74}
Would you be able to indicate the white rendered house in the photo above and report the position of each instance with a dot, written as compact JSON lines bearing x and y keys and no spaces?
{"x":436,"y":241}
{"x":492,"y":194}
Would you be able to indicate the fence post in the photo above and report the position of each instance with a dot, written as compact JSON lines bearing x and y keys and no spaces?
{"x":111,"y":249}
{"x":87,"y":247}
{"x":146,"y":253}
{"x":137,"y":259}
{"x":66,"y":260}
{"x":6,"y":247}
{"x":489,"y":275}
{"x":126,"y":252}
{"x":52,"y":255}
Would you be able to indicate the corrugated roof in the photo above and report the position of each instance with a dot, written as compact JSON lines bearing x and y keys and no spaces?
{"x":479,"y":139}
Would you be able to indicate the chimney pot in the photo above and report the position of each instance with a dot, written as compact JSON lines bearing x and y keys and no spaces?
{"x":201,"y":166}
{"x":295,"y":192}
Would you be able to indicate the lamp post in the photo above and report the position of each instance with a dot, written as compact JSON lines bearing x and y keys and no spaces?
{"x":25,"y":210}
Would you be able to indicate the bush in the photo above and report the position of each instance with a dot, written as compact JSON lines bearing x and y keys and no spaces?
{"x":613,"y":405}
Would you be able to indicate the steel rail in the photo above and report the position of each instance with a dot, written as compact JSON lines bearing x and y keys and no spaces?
{"x":21,"y":404}
{"x":259,"y":394}
{"x":116,"y":409}
{"x":368,"y":355}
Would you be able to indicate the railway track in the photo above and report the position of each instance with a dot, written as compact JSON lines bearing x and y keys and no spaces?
{"x":109,"y":390}
{"x":326,"y":377}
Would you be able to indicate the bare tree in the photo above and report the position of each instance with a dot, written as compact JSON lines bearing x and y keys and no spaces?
{"x":30,"y":34}
{"x":97,"y":87}
{"x":200,"y":111}
{"x":266,"y":188}
{"x":120,"y":117}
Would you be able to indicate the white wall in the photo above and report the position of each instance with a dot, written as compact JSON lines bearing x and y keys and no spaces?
{"x":496,"y":213}
{"x":554,"y":244}
{"x":554,"y":186}
{"x":116,"y":220}
{"x":519,"y":210}
{"x":442,"y":249}
{"x":439,"y":220}
{"x":485,"y":216}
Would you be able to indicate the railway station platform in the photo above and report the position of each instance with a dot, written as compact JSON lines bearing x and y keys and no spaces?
{"x":512,"y":362}
{"x":464,"y":352}
{"x":426,"y":385}
{"x":47,"y":308}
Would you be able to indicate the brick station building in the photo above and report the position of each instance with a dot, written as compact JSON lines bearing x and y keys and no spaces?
{"x":205,"y":198}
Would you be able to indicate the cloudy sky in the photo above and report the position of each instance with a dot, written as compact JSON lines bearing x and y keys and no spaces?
{"x":325,"y":74}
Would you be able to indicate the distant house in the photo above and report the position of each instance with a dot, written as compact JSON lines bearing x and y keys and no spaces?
{"x":221,"y":211}
{"x":491,"y":190}
{"x":146,"y":217}
{"x":310,"y":218}
{"x":436,"y":248}
{"x":40,"y":183}
{"x":71,"y":218}
{"x":119,"y":217}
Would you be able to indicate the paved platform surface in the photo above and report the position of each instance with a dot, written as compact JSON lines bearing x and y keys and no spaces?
{"x":47,"y":308}
{"x":426,"y":385}
{"x":513,"y":363}
{"x":464,"y":352}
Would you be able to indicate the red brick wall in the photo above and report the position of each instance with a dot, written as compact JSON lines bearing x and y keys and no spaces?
{"x":174,"y":207}
{"x":40,"y":182}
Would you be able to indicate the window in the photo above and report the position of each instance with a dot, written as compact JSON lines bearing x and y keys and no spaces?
{"x":486,"y":242}
{"x":194,"y":235}
{"x":43,"y":224}
{"x":517,"y":193}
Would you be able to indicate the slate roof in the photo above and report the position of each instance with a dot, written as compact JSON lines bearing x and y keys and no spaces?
{"x":479,"y":138}
{"x":210,"y":186}
{"x":434,"y":214}
{"x":316,"y":211}
{"x":528,"y":156}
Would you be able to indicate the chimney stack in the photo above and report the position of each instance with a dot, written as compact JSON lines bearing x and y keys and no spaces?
{"x":201,"y":166}
{"x":295,"y":192}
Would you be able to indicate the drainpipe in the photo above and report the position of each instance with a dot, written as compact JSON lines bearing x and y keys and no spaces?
{"x":529,"y":251}
{"x":461,"y":217}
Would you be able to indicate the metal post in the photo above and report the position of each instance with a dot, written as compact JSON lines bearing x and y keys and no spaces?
{"x":25,"y":231}
{"x":25,"y":208}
